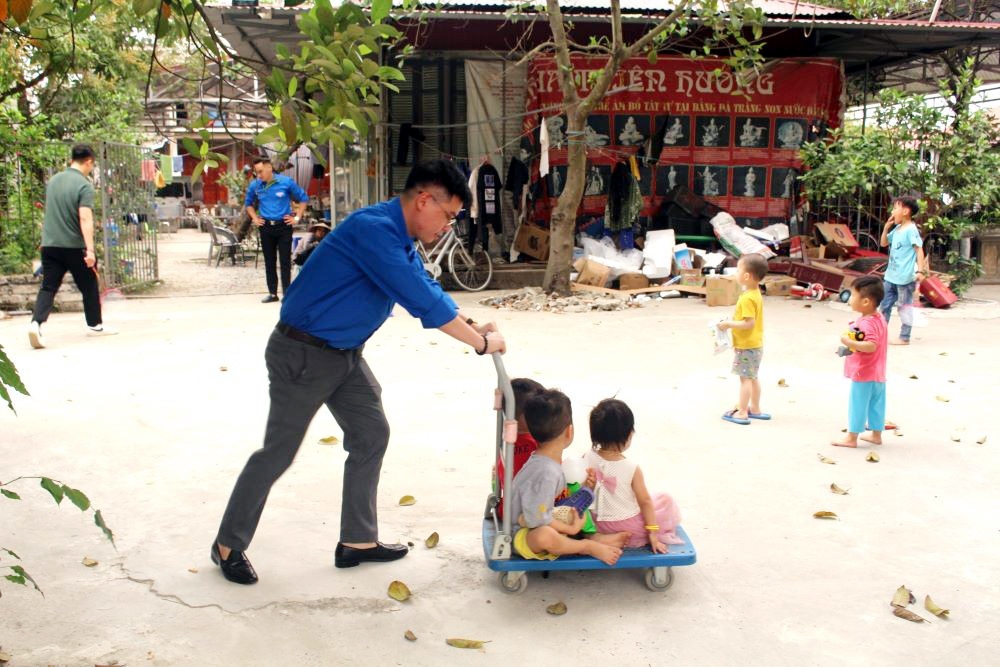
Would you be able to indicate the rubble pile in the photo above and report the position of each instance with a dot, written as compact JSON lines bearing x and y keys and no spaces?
{"x":534,"y":299}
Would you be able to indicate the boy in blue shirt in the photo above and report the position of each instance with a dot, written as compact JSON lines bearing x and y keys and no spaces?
{"x":906,"y":264}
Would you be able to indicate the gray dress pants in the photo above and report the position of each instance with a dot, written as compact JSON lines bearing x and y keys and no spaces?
{"x":302,"y":378}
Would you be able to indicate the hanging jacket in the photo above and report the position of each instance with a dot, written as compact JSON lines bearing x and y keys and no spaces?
{"x":624,"y":200}
{"x":488,"y":196}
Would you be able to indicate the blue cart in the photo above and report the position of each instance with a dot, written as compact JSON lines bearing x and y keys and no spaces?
{"x":498,"y":542}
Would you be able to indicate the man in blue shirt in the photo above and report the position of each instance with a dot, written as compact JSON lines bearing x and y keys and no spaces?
{"x":269,"y":203}
{"x":342,"y":295}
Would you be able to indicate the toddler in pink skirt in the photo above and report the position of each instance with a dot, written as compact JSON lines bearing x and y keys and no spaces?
{"x":621,"y":501}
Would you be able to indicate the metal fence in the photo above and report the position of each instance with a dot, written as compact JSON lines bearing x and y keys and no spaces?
{"x":864,"y":213}
{"x":123,"y":208}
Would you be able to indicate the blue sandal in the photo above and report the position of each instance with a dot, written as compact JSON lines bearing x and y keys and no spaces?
{"x":759,"y":415}
{"x":730,"y":417}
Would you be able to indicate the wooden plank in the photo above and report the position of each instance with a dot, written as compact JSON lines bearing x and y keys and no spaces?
{"x":691,"y":289}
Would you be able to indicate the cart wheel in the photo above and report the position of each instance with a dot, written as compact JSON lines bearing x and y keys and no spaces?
{"x":513,"y":582}
{"x":845,"y":295}
{"x":659,"y":583}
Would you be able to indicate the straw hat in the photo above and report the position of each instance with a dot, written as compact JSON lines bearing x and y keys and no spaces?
{"x":316,"y":224}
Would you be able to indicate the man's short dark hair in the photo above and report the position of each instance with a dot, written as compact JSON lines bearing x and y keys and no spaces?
{"x":910,"y":203}
{"x":611,"y":423}
{"x":869,"y":287}
{"x":441,"y":173}
{"x":523,"y":389}
{"x":261,"y":159}
{"x":81,"y":152}
{"x":755,"y":264}
{"x":547,"y":414}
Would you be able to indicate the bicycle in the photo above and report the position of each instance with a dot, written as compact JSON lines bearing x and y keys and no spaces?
{"x":472,"y":271}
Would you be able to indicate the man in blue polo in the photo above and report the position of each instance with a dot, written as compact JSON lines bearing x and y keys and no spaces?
{"x":269,"y":203}
{"x":343,"y":294}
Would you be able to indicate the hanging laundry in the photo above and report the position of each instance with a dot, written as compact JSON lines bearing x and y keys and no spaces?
{"x":159,"y":181}
{"x":488,"y":197}
{"x":148,"y":171}
{"x":543,"y":142}
{"x":407,"y":133}
{"x":624,"y":200}
{"x":178,"y":166}
{"x":517,"y":178}
{"x":654,"y":145}
{"x":167,"y":169}
{"x":634,"y":166}
{"x":473,"y":180}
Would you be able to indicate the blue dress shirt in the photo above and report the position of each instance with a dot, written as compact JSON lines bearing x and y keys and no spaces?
{"x":347,"y":288}
{"x":273,"y":199}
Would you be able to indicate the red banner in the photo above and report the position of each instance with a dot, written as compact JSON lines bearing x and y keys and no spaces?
{"x":739,"y":151}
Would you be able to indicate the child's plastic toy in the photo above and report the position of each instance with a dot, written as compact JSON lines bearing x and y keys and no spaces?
{"x":815,"y":292}
{"x":854,"y":334}
{"x":498,"y":542}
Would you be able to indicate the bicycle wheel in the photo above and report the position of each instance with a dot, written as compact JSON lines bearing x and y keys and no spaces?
{"x":472,"y":271}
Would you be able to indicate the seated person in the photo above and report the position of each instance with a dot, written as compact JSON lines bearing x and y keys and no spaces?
{"x":549,"y":416}
{"x":317,"y":230}
{"x":525,"y":444}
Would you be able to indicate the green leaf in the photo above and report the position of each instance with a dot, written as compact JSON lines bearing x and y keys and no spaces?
{"x":99,"y":521}
{"x":267,"y":135}
{"x":203,"y":149}
{"x":196,"y":173}
{"x":9,"y":494}
{"x":9,"y":378}
{"x":289,"y":124}
{"x":380,"y":10}
{"x":21,"y":572}
{"x":142,"y":7}
{"x":77,"y":497}
{"x":293,"y":85}
{"x":10,"y":552}
{"x":191,"y":146}
{"x":53,"y":488}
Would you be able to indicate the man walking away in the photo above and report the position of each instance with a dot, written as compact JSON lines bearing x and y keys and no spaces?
{"x":68,"y":244}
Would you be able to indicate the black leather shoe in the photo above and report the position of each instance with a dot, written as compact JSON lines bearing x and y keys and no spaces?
{"x":270,"y":298}
{"x":236,"y":568}
{"x":349,"y":556}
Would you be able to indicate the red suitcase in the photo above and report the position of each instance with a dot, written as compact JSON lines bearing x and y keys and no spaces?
{"x":935,"y":291}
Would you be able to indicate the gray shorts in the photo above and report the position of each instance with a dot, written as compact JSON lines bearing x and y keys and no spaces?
{"x":746,"y":363}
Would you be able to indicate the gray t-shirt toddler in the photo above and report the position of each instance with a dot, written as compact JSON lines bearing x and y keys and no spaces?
{"x":535,"y":489}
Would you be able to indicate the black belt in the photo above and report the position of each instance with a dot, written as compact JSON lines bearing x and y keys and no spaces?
{"x":303,"y":337}
{"x":268,"y":221}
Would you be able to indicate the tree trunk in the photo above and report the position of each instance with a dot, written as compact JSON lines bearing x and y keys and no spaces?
{"x":562,"y":227}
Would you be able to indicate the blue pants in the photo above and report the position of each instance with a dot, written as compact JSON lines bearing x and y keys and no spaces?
{"x":902,"y":296}
{"x":866,"y":409}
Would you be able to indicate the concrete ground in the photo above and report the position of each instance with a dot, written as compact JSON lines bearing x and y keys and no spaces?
{"x":154,"y":425}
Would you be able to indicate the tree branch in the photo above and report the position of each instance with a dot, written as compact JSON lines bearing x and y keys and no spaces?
{"x":25,"y":85}
{"x":643,"y":42}
{"x":563,"y":61}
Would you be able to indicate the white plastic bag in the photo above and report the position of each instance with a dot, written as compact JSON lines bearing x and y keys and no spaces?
{"x":723,"y":339}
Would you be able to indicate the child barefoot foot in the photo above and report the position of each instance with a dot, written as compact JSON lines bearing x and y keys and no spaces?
{"x":611,"y":539}
{"x":874,"y":438}
{"x":846,"y":442}
{"x":605,"y":553}
{"x":899,"y":341}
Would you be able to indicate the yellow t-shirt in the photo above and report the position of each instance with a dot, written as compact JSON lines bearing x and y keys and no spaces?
{"x":750,"y":304}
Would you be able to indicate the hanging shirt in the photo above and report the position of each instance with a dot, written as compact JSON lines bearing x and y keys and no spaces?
{"x":517,"y":178}
{"x":543,"y":142}
{"x":474,"y":206}
{"x":488,"y":196}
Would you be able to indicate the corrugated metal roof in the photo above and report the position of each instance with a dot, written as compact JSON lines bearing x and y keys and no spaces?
{"x":937,"y":26}
{"x":770,"y":7}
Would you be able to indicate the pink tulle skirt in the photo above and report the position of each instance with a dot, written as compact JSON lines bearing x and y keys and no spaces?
{"x":668,"y":517}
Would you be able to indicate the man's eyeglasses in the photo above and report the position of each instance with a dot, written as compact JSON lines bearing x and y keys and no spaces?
{"x":452,"y":219}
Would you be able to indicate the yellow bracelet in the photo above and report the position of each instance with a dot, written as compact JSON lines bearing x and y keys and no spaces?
{"x":654,"y":528}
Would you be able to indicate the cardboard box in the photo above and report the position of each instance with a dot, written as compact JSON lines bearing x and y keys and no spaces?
{"x":592,"y":273}
{"x":532,"y":241}
{"x":777,"y":285}
{"x":633,"y":281}
{"x":721,"y":290}
{"x":838,"y":239}
{"x":692,"y":277}
{"x":805,"y":247}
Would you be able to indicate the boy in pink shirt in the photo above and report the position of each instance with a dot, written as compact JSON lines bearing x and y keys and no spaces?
{"x":865,"y":363}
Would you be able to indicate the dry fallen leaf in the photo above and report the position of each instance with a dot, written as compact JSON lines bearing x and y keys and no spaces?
{"x":782,"y":383}
{"x":873,"y":457}
{"x":981,"y":441}
{"x":432,"y":540}
{"x":943,"y":399}
{"x":557,"y":609}
{"x":933,"y":608}
{"x":4,"y":657}
{"x":407,"y":500}
{"x":223,"y":369}
{"x":824,"y":514}
{"x":907,"y":614}
{"x":193,"y":570}
{"x":839,"y":491}
{"x":902,"y":597}
{"x":898,"y":433}
{"x":399,"y":591}
{"x":943,"y":354}
{"x":89,"y":562}
{"x":329,"y":440}
{"x":823,"y":459}
{"x":955,"y":437}
{"x":914,"y":377}
{"x":464,"y":643}
{"x":410,"y":636}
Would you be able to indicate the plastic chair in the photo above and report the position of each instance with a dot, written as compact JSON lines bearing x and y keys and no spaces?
{"x":225,"y":240}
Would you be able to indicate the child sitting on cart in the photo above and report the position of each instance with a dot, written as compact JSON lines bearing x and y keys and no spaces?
{"x":549,"y":416}
{"x":622,"y":502}
{"x":525,"y":445}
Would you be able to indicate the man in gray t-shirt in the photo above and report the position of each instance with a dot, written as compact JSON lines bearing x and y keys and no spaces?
{"x":68,"y":244}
